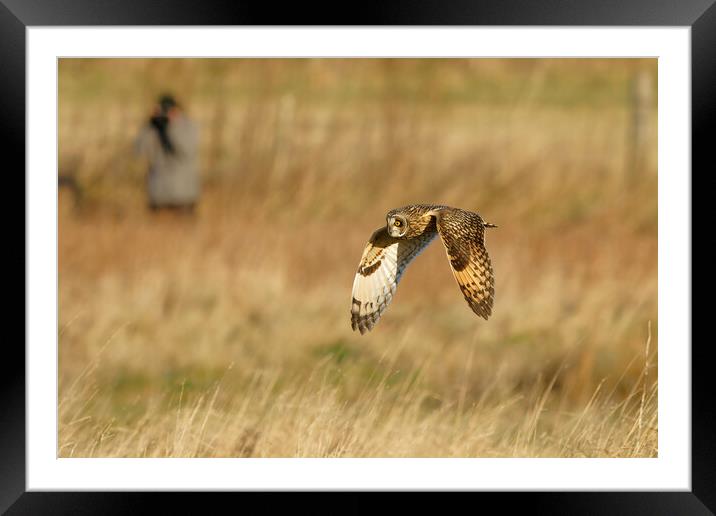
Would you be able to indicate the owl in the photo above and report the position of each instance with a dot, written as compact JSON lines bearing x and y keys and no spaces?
{"x":407,"y":233}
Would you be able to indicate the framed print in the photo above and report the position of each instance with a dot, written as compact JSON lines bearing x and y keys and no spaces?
{"x":440,"y":249}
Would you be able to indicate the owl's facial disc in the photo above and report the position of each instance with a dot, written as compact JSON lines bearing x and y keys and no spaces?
{"x":397,"y":226}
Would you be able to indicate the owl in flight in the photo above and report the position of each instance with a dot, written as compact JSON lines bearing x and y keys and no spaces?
{"x":408,"y":232}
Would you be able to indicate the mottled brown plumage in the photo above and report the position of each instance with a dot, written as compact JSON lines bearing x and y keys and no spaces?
{"x":408,"y":231}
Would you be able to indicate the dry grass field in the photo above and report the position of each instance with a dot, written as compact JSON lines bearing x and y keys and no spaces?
{"x":228,"y":334}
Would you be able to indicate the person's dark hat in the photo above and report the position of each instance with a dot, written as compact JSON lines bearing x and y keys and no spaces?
{"x":167,"y":101}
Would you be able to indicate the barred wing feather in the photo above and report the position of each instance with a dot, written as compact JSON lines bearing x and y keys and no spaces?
{"x":383,"y":262}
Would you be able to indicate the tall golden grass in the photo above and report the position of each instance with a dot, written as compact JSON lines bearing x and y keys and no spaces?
{"x":228,"y":334}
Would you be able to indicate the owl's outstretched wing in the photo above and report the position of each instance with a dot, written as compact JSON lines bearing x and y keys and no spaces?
{"x":383,"y":262}
{"x":463,"y":234}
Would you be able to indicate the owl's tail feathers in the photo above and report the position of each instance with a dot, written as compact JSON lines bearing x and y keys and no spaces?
{"x":488,"y":225}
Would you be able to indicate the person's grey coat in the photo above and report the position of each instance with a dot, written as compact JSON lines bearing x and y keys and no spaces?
{"x":173,"y":178}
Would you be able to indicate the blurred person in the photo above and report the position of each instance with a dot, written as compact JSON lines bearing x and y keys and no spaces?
{"x":170,"y":142}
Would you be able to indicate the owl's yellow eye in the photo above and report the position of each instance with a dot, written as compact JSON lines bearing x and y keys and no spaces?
{"x":397,"y":223}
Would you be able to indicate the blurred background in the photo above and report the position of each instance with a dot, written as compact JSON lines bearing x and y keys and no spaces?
{"x":227,"y":333}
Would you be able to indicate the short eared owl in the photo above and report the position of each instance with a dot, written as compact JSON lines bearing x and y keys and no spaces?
{"x":408,"y":232}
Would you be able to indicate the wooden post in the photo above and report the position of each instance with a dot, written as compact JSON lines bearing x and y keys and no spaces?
{"x":641,"y":122}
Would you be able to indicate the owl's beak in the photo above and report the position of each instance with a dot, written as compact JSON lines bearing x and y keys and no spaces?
{"x":392,"y":230}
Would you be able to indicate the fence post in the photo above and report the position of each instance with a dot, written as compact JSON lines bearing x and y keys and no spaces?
{"x":641,"y":122}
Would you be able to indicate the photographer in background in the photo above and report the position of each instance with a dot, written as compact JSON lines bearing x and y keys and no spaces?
{"x":170,"y":143}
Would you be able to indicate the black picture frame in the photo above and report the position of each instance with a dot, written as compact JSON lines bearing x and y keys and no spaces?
{"x":17,"y":15}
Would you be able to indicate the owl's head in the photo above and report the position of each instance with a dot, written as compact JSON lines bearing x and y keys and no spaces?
{"x":397,"y":224}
